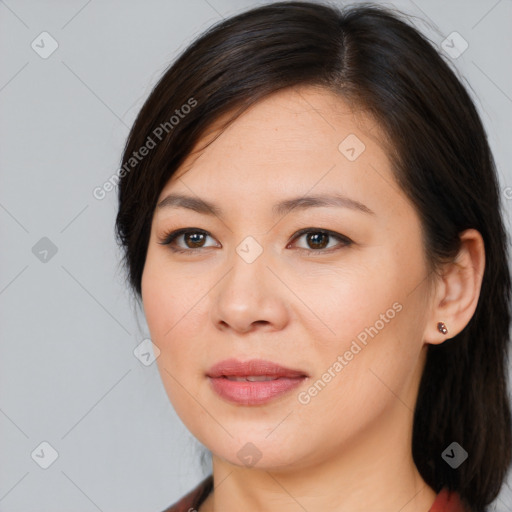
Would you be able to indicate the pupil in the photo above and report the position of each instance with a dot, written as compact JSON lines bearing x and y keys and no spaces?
{"x":316,"y":239}
{"x":195,"y":242}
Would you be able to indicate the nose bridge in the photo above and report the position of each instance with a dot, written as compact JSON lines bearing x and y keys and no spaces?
{"x":247,"y":277}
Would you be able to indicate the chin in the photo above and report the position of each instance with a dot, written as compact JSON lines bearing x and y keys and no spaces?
{"x":260,"y":451}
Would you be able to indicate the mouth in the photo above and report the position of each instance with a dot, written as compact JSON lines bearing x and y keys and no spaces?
{"x":253,"y":382}
{"x":253,"y":368}
{"x":251,"y":378}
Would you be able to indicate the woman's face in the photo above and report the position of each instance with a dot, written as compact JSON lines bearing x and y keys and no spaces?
{"x":347,"y":314}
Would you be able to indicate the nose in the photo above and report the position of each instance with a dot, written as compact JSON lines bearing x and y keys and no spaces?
{"x":249,"y":297}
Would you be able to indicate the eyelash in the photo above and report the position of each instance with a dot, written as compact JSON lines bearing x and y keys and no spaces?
{"x":170,"y":237}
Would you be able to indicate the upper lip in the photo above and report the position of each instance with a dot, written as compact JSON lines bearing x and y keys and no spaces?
{"x":236,"y":368}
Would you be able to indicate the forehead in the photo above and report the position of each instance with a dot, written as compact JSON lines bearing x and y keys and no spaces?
{"x":293,"y":121}
{"x":292,"y":142}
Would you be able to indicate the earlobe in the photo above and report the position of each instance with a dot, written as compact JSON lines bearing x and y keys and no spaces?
{"x":458,"y":292}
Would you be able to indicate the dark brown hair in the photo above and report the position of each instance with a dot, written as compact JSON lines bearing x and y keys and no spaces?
{"x":373,"y":59}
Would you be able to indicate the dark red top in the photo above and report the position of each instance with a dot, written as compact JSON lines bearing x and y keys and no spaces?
{"x":446,"y":501}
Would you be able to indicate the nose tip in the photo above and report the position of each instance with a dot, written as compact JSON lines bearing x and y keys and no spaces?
{"x":248,"y":298}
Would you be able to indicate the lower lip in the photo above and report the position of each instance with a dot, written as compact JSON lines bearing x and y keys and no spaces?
{"x":253,"y":393}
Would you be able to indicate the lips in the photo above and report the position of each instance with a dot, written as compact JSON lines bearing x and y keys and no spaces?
{"x":252,"y":382}
{"x":253,"y":367}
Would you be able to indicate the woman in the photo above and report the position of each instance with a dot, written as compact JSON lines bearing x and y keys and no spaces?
{"x":310,"y":216}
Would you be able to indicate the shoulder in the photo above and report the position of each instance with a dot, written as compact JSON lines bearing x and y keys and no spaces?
{"x":449,"y":501}
{"x":446,"y":500}
{"x":193,"y":499}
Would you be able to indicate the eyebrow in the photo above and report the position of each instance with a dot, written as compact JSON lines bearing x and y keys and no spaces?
{"x":282,"y":208}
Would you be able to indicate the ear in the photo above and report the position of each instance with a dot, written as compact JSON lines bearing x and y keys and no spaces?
{"x":458,"y":289}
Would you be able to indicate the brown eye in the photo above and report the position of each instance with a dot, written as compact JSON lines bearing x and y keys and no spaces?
{"x":186,"y":240}
{"x":194,"y":239}
{"x":316,"y":240}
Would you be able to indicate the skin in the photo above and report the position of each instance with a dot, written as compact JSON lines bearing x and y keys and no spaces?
{"x":349,"y":447}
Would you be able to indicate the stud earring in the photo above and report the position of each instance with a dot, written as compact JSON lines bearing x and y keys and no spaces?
{"x":441,"y":327}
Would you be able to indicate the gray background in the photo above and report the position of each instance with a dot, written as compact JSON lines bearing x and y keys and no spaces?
{"x":68,"y":329}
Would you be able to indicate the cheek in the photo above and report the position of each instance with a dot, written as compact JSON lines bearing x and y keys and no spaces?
{"x":167,"y":309}
{"x":167,"y":296}
{"x":174,"y":306}
{"x":373,"y":367}
{"x":344,"y":304}
{"x":377,"y":337}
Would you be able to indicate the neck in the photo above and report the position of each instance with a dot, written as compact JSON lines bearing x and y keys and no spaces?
{"x":374,"y":471}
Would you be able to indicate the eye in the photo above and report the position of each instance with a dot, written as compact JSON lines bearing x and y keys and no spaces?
{"x":318,"y":240}
{"x":194,"y":240}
